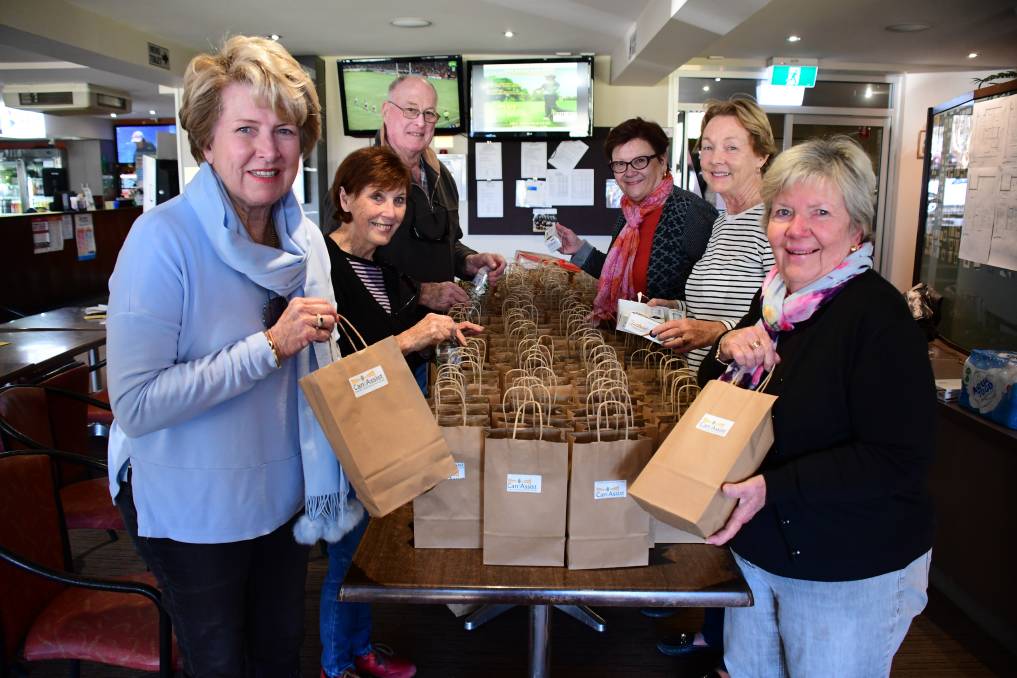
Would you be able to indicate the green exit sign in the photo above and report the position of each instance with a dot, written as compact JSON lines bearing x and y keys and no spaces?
{"x":802,"y":76}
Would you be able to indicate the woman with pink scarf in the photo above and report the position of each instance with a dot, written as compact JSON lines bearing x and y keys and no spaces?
{"x":662,"y":230}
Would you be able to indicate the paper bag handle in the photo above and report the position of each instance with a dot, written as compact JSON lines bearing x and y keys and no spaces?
{"x":540,"y":418}
{"x":622,"y":410}
{"x":347,"y":324}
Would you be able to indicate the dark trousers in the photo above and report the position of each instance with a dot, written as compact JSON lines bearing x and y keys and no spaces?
{"x":237,"y":608}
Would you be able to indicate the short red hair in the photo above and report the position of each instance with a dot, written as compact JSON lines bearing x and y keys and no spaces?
{"x":373,"y":166}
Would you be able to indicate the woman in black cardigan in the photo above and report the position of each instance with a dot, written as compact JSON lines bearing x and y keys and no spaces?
{"x":834,"y":532}
{"x":369,"y":190}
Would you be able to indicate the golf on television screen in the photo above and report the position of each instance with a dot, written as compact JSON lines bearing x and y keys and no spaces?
{"x":547,"y":97}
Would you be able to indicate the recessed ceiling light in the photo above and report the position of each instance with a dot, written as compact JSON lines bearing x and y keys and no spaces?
{"x":907,"y":28}
{"x":274,"y":36}
{"x":794,"y":38}
{"x":973,"y":55}
{"x":509,"y":34}
{"x":410,"y":22}
{"x":716,"y":79}
{"x":151,"y":112}
{"x":563,"y":53}
{"x":706,"y":88}
{"x":112,"y":115}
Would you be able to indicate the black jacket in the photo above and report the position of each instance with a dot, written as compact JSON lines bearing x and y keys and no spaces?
{"x":358,"y":305}
{"x":678,"y":243}
{"x":854,"y":426}
{"x":427,"y":245}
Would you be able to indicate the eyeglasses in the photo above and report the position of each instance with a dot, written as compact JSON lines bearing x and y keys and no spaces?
{"x":413,"y":113}
{"x":639,"y":162}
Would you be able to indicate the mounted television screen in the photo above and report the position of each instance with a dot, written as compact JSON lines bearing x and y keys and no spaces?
{"x":133,"y":140}
{"x":531,"y":98}
{"x":363,"y":88}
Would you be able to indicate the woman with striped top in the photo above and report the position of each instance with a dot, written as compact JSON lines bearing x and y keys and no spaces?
{"x":369,"y":192}
{"x":735,"y":147}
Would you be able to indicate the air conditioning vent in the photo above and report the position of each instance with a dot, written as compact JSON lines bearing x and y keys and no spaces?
{"x":46,"y":98}
{"x":67,"y":99}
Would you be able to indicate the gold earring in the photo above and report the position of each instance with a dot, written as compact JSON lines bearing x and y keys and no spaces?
{"x":855,"y":248}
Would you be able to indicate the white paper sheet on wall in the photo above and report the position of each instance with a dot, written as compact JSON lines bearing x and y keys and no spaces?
{"x":533,"y":159}
{"x":455,"y":163}
{"x":568,"y":154}
{"x":570,"y":187}
{"x":531,"y":193}
{"x":488,"y":159}
{"x":490,"y":203}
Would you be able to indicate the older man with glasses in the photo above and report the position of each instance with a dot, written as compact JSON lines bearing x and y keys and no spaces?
{"x":427,"y":247}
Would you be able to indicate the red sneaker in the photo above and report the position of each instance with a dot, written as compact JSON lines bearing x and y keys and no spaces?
{"x":381,"y":662}
{"x":347,"y":673}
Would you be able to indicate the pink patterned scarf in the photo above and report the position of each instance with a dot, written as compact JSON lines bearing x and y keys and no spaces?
{"x":781,"y":309}
{"x":616,"y":275}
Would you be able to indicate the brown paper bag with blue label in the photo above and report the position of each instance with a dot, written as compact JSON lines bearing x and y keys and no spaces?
{"x":606,"y":528}
{"x":381,"y":429}
{"x":526,"y":475}
{"x":722,"y":438}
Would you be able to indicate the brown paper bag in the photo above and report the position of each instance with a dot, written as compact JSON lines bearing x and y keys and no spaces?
{"x":723,"y":437}
{"x":606,"y":528}
{"x":380,"y":427}
{"x":449,"y":514}
{"x":525,"y":495}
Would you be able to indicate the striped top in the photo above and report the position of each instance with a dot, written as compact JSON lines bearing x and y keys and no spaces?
{"x":371,"y":276}
{"x":723,"y":281}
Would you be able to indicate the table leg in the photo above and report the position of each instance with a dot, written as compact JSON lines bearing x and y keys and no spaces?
{"x":540,"y":641}
{"x":94,"y":380}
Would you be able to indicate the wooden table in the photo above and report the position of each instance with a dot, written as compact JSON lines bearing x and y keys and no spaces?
{"x":67,"y":318}
{"x":35,"y":353}
{"x":386,"y":568}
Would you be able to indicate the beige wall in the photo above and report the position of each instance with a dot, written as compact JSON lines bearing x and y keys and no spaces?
{"x":611,"y":105}
{"x":920,"y":92}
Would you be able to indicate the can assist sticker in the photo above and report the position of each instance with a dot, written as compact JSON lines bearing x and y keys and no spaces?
{"x":518,"y":482}
{"x":714,"y":425}
{"x":460,"y":473}
{"x":610,"y":489}
{"x":368,"y":381}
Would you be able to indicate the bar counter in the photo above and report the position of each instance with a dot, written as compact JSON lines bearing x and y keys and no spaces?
{"x":31,"y":283}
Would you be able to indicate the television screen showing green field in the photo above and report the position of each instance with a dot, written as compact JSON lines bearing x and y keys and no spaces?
{"x":364,"y":87}
{"x":530,"y":97}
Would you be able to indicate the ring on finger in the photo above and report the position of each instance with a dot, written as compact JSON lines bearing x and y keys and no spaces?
{"x":755,"y":344}
{"x":319,"y":322}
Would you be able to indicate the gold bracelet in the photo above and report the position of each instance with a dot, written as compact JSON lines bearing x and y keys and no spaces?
{"x":275,"y":351}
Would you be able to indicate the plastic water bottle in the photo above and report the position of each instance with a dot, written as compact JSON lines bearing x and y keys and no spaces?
{"x":480,"y":281}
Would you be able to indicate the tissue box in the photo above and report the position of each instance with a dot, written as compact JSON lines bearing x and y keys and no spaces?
{"x":990,"y":385}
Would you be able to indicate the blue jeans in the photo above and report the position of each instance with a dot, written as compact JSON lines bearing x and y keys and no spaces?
{"x":848,"y":629}
{"x":420,"y":374}
{"x":345,"y":627}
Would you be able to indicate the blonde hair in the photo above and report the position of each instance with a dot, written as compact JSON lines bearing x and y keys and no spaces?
{"x":274,"y":76}
{"x":838,"y":160}
{"x":751,"y":117}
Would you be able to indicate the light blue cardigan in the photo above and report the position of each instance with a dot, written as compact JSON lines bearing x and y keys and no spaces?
{"x":208,"y":423}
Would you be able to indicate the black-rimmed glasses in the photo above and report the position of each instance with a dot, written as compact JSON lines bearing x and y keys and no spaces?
{"x":639,"y":162}
{"x":412,"y":113}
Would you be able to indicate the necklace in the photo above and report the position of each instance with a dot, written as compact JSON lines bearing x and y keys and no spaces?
{"x":271,"y":237}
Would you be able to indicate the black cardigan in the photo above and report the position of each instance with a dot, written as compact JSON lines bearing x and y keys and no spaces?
{"x":854,"y":426}
{"x":678,"y":243}
{"x":356,"y":303}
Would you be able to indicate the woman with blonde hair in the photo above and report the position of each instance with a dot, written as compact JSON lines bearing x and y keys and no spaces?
{"x":220,"y":301}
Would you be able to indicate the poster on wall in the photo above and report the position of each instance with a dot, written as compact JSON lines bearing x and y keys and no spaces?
{"x":989,"y":235}
{"x":84,"y":236}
